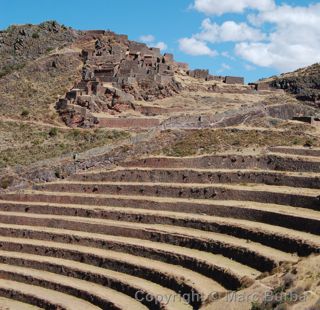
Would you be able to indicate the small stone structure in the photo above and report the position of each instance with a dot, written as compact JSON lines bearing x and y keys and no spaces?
{"x":204,"y":74}
{"x":199,"y":74}
{"x":234,"y":80}
{"x":262,"y":86}
{"x":312,"y":120}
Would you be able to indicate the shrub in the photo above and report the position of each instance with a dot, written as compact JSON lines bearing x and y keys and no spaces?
{"x":6,"y":182}
{"x":308,"y":143}
{"x":53,"y":132}
{"x":255,"y":306}
{"x":25,"y":113}
{"x":49,"y":49}
{"x":57,"y":174}
{"x":10,"y":68}
{"x":35,"y":35}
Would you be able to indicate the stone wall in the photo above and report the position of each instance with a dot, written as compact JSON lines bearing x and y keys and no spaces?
{"x":204,"y":75}
{"x":314,"y":121}
{"x":234,"y":80}
{"x":129,"y":122}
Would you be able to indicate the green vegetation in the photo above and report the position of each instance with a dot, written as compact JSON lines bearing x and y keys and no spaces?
{"x":30,"y":143}
{"x":35,"y":35}
{"x":53,"y":132}
{"x":49,"y":49}
{"x":6,"y":181}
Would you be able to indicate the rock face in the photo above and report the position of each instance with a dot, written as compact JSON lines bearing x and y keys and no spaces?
{"x":303,"y":83}
{"x":305,"y":88}
{"x":116,"y":72}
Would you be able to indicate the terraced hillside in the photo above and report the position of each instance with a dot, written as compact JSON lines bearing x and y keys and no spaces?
{"x":157,"y":229}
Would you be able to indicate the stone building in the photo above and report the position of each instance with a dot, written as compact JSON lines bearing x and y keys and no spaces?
{"x":234,"y":80}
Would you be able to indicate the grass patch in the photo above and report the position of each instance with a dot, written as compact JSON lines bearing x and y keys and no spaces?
{"x":5,"y":70}
{"x":208,"y":141}
{"x":30,"y":143}
{"x":35,"y":35}
{"x":6,"y":181}
{"x":25,"y":113}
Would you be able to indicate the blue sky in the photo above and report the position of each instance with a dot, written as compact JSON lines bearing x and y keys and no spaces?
{"x":177,"y":23}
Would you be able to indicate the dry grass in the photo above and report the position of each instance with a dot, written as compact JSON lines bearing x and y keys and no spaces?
{"x":207,"y":141}
{"x":298,"y":287}
{"x":22,"y":144}
{"x":32,"y":92}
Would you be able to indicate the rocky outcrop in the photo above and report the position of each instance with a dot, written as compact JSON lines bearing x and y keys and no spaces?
{"x":303,"y":83}
{"x":22,"y":43}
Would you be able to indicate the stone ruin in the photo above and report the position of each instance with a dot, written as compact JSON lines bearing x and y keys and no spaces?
{"x":116,"y":72}
{"x":312,"y":120}
{"x":204,"y":74}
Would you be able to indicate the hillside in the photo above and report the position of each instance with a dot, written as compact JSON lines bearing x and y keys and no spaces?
{"x":303,"y":83}
{"x":124,"y":172}
{"x":22,"y":43}
{"x":56,"y":78}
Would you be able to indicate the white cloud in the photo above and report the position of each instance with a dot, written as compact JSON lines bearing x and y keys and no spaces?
{"x":226,"y":54}
{"x":224,"y":67}
{"x":163,"y":46}
{"x":194,"y":47}
{"x":148,"y":38}
{"x":249,"y":67}
{"x":294,"y":43}
{"x":283,"y":37}
{"x":229,"y":31}
{"x":218,"y":7}
{"x":288,"y":15}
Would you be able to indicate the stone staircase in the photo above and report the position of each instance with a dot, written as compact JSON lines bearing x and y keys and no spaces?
{"x":148,"y":232}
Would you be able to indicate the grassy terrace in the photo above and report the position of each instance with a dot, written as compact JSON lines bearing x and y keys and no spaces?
{"x":207,"y":141}
{"x":25,"y":143}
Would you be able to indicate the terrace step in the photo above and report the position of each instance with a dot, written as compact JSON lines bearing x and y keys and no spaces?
{"x":296,"y":197}
{"x":204,"y":176}
{"x":278,"y":162}
{"x":296,"y":151}
{"x":125,"y":272}
{"x":42,"y":297}
{"x":225,"y":271}
{"x":10,"y":304}
{"x":130,"y":122}
{"x":300,"y":219}
{"x":282,"y":238}
{"x":159,"y":228}
{"x":251,"y":254}
{"x":95,"y":294}
{"x":96,"y":275}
